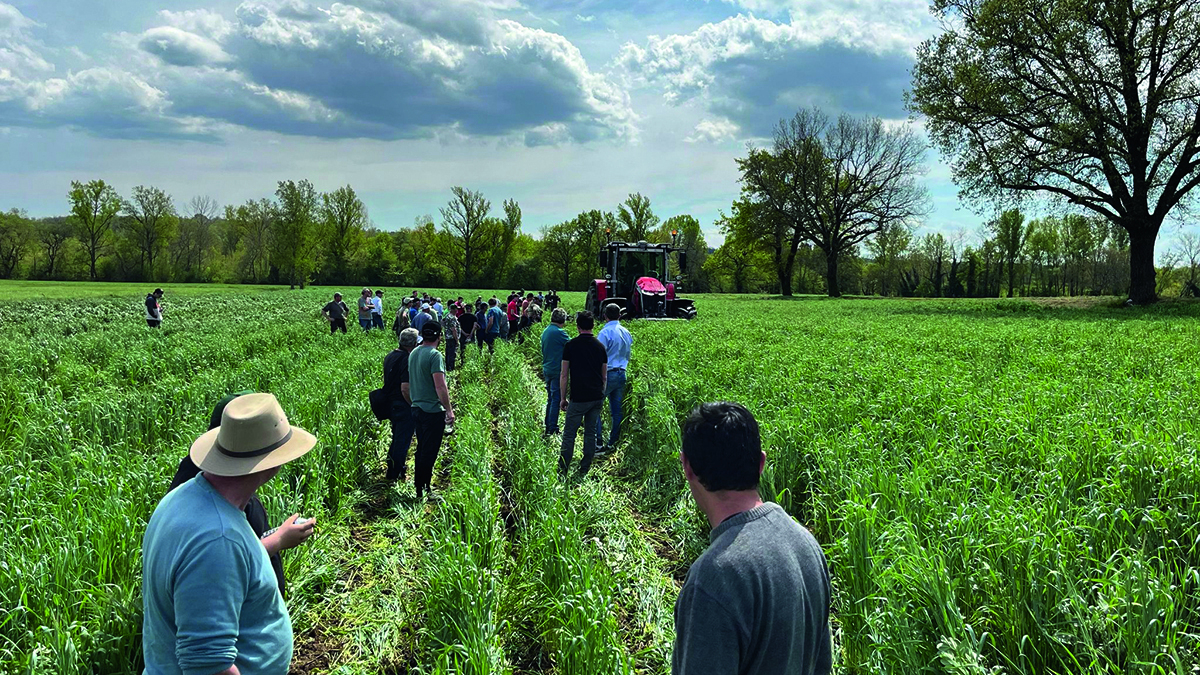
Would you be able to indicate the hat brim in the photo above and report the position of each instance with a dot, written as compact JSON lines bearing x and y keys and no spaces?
{"x":205,"y":454}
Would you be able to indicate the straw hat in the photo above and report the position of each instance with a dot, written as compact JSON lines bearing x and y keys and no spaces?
{"x":254,"y":436}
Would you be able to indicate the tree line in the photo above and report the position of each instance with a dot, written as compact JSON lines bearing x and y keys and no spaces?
{"x":300,"y":236}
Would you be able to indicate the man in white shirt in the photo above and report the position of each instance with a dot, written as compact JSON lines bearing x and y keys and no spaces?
{"x":618,"y":342}
{"x":377,"y":311}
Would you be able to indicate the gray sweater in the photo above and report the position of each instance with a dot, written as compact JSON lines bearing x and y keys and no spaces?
{"x":756,"y":602}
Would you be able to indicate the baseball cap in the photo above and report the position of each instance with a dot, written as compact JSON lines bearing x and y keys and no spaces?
{"x":431,"y":330}
{"x":424,"y":305}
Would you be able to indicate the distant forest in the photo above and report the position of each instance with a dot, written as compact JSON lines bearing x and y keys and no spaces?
{"x":831,"y":207}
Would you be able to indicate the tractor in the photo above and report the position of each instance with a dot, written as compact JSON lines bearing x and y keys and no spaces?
{"x":636,"y":279}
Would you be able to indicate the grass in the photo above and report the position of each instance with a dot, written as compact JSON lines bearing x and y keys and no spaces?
{"x":999,"y":485}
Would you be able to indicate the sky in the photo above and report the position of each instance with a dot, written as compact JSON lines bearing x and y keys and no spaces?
{"x":564,"y":105}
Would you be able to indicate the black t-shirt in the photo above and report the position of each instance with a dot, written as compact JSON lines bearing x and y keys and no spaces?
{"x":552,"y":301}
{"x":395,"y":373}
{"x":466,"y":322}
{"x":337,"y":309}
{"x":588,"y":363}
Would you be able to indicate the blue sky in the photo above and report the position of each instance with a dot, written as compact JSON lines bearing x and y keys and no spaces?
{"x":564,"y":106}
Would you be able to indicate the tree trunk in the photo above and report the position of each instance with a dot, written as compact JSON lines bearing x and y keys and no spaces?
{"x":1012,"y":271}
{"x":831,"y":275}
{"x":785,"y":281}
{"x":1141,"y":264}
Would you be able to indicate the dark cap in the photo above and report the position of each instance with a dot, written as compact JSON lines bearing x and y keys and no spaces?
{"x":432,"y":330}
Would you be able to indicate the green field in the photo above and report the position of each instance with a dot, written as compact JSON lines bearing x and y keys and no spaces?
{"x":998,"y":485}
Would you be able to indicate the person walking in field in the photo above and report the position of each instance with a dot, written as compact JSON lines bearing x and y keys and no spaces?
{"x":466,"y":330}
{"x":287,"y":535}
{"x":618,"y":344}
{"x":493,"y":329}
{"x":480,"y":323}
{"x":554,"y":338}
{"x":757,"y":600}
{"x":377,"y":310}
{"x":335,"y":313}
{"x":450,"y":330}
{"x":366,"y":305}
{"x":438,"y":309}
{"x":403,"y":415}
{"x":154,"y":308}
{"x":401,"y":320}
{"x":211,"y":603}
{"x":424,"y":315}
{"x":552,"y":300}
{"x":431,"y":401}
{"x":584,"y":368}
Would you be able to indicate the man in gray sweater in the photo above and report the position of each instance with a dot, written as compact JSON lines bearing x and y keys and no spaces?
{"x":756,"y":602}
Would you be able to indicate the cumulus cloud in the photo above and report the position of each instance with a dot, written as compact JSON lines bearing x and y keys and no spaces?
{"x":752,"y":71}
{"x":713,"y":131}
{"x":382,"y":69}
{"x":178,"y":47}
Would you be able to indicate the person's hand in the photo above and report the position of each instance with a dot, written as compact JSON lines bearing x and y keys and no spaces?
{"x":291,"y":535}
{"x":564,"y":403}
{"x":450,"y":416}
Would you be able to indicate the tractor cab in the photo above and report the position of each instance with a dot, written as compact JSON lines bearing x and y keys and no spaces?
{"x":637,"y":279}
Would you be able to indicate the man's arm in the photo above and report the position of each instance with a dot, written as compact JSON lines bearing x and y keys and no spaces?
{"x":443,"y":394}
{"x":404,"y":392}
{"x":288,"y":535}
{"x":707,"y":639}
{"x":209,"y":590}
{"x":562,"y":384}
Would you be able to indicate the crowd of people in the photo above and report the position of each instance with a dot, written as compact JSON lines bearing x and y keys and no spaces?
{"x":756,"y":601}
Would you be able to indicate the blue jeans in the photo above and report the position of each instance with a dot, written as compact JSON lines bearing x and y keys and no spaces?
{"x":614,"y":392}
{"x":365,"y":323}
{"x":377,"y":321}
{"x":552,"y":398}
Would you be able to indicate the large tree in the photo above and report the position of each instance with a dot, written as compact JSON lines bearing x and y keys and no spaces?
{"x":295,"y":237}
{"x":53,"y":234}
{"x":690,"y":237}
{"x":562,"y":245}
{"x":636,"y":218}
{"x":94,"y":205}
{"x":1010,"y":232}
{"x":888,"y":247}
{"x":835,"y":184}
{"x":344,"y":220}
{"x":250,"y":227}
{"x":464,"y":224}
{"x":15,"y":236}
{"x":1094,"y":101}
{"x":150,"y":222}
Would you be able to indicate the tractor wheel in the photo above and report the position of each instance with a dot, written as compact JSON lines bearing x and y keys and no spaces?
{"x":590,"y":303}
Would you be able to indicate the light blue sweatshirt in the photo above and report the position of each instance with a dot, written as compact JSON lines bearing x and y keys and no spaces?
{"x":210,"y":597}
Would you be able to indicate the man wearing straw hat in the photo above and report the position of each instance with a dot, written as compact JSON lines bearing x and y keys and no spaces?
{"x":210,"y":599}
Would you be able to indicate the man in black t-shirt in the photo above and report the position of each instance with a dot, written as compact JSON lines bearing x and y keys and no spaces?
{"x":403,"y":419}
{"x":335,"y":313}
{"x":585,"y":369}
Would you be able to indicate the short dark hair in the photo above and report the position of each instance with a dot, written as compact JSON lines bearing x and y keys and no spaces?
{"x":723,"y":446}
{"x":158,"y":291}
{"x":612,"y":311}
{"x":431,"y":331}
{"x":492,"y":302}
{"x":584,"y":320}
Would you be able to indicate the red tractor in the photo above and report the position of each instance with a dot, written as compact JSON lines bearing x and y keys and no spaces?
{"x":636,"y":279}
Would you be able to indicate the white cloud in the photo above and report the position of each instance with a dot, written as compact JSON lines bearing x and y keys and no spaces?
{"x":754,"y":71}
{"x":178,"y":47}
{"x":584,"y":19}
{"x":382,"y":69}
{"x":713,"y":131}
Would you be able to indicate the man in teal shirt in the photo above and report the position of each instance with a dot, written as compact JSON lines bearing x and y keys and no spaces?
{"x":554,"y":338}
{"x":211,"y":602}
{"x":431,"y":403}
